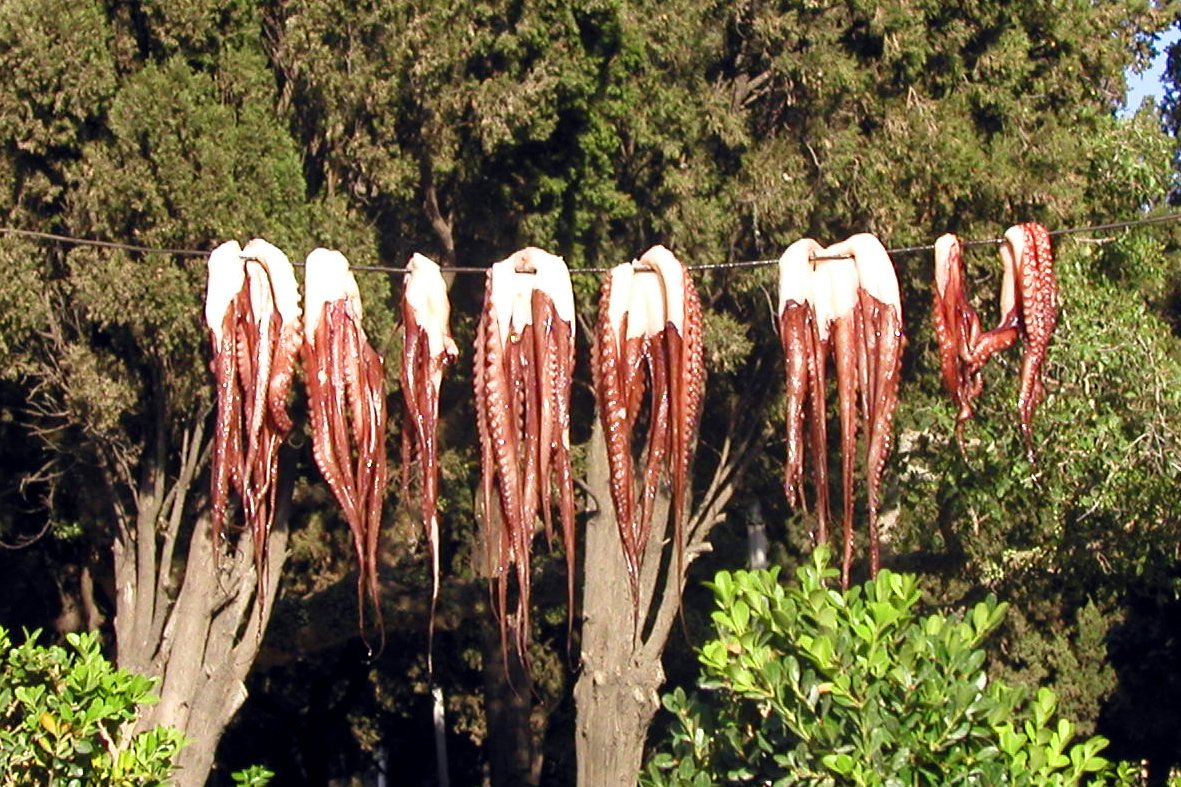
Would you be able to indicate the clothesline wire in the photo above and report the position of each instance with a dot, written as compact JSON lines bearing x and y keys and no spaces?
{"x":106,"y":244}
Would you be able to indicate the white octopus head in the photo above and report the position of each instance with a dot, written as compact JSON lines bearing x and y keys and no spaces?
{"x":282,"y":276}
{"x":426,"y":293}
{"x":227,"y":274}
{"x":795,"y":272}
{"x":326,"y":279}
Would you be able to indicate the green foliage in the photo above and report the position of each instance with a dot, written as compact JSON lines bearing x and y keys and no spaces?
{"x":807,"y":685}
{"x":254,"y":776}
{"x":66,"y":718}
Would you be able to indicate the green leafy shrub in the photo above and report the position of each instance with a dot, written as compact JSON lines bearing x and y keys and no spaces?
{"x":805,"y":685}
{"x":66,"y":718}
{"x":254,"y":776}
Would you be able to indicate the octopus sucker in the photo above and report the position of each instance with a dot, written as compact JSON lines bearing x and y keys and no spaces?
{"x":609,"y":369}
{"x":1039,"y":316}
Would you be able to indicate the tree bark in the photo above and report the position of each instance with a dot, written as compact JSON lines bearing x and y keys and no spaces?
{"x":199,"y":638}
{"x":617,"y":694}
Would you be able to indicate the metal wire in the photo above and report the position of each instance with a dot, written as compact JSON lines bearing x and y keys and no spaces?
{"x":106,"y":244}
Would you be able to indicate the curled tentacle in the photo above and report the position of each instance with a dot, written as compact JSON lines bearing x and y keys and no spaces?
{"x":290,"y":333}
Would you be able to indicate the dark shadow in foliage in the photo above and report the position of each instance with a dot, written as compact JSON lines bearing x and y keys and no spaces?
{"x":1143,"y":717}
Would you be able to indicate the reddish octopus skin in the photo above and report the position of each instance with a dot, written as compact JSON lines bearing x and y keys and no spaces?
{"x":879,"y":316}
{"x":427,"y":349}
{"x":501,"y":466}
{"x":691,"y":394}
{"x":851,"y":296}
{"x":247,"y":334}
{"x":347,"y":405}
{"x":1039,"y":316}
{"x":1029,"y":310}
{"x":678,"y":344}
{"x":794,"y":322}
{"x":524,"y":372}
{"x":804,"y":378}
{"x":957,"y":330}
{"x":835,"y":300}
{"x":613,"y":397}
{"x":554,"y":350}
{"x":228,"y":459}
{"x":648,"y":338}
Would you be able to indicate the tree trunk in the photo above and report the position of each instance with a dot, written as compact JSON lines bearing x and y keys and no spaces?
{"x":200,"y":639}
{"x":617,"y":694}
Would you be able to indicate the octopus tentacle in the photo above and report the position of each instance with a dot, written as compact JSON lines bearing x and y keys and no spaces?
{"x":881,"y":312}
{"x":496,"y":401}
{"x":1039,"y":314}
{"x":657,"y":448}
{"x":835,"y":300}
{"x":795,"y":326}
{"x":225,"y":302}
{"x":647,"y":349}
{"x":346,"y":399}
{"x":248,"y":312}
{"x":613,"y":396}
{"x":815,"y":353}
{"x":285,"y":292}
{"x":682,"y":345}
{"x":842,"y":298}
{"x":427,"y":349}
{"x":553,"y":325}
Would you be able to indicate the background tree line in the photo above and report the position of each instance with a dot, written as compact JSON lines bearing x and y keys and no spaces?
{"x":724,"y":131}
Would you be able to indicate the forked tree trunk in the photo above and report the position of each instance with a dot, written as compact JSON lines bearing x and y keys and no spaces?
{"x":617,"y":694}
{"x":194,"y":623}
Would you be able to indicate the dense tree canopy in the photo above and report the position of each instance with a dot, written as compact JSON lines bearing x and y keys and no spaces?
{"x":724,"y":131}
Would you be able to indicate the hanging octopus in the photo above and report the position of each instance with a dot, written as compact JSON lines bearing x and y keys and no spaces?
{"x":274,"y":290}
{"x":879,"y":342}
{"x":957,"y":330}
{"x":843,"y":299}
{"x":346,"y":403}
{"x":649,"y":321}
{"x":1029,"y":310}
{"x":227,"y":306}
{"x":426,"y":351}
{"x":252,"y":310}
{"x":523,"y":375}
{"x":804,"y":369}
